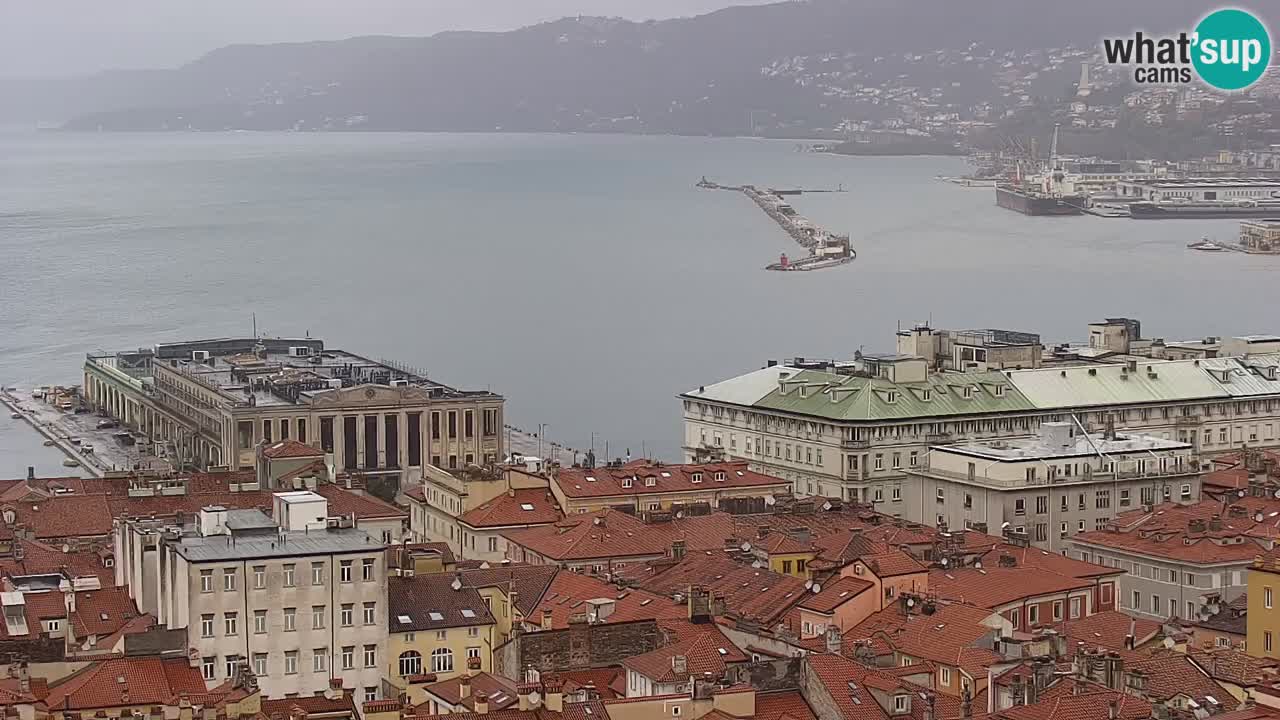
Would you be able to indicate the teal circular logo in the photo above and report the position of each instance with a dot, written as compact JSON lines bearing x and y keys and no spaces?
{"x":1231,"y":49}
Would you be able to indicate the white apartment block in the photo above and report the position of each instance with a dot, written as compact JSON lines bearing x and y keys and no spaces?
{"x":300,"y":601}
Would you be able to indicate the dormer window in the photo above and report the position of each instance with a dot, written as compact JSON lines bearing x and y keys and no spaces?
{"x":967,"y":392}
{"x":901,"y":704}
{"x":626,"y":482}
{"x":650,"y":481}
{"x":719,"y":477}
{"x":697,"y":477}
{"x":926,"y":395}
{"x":999,"y":391}
{"x":891,"y":397}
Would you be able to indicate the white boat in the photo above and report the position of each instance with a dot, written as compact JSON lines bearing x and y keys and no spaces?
{"x":71,"y":463}
{"x":1206,"y":245}
{"x":15,"y":415}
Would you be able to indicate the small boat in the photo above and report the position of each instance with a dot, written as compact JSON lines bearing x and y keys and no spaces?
{"x":48,"y":443}
{"x":71,"y":463}
{"x":1206,"y":245}
{"x":15,"y":415}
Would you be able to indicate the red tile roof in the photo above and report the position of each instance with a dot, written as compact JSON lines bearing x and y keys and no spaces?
{"x":500,"y":690}
{"x":528,"y":581}
{"x":365,"y":507}
{"x":1234,"y":666}
{"x":1108,"y":630}
{"x":834,"y":594}
{"x":610,"y":682}
{"x":102,"y":612}
{"x":707,"y":653}
{"x":1029,"y":557}
{"x":1172,"y":674}
{"x":996,"y":587}
{"x":147,"y":681}
{"x":1063,"y":705}
{"x":948,"y":636}
{"x":750,"y":593}
{"x":569,"y":592}
{"x":850,"y":686}
{"x":785,"y":705}
{"x":1198,"y":534}
{"x":635,"y":478}
{"x":313,"y":705}
{"x":291,"y":449}
{"x":514,"y":508}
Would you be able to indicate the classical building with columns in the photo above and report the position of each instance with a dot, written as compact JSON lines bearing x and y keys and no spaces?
{"x":211,"y":403}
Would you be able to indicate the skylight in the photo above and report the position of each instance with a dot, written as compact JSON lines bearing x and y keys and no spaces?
{"x":404,"y":619}
{"x":526,"y":506}
{"x":468,"y":613}
{"x":435,"y":616}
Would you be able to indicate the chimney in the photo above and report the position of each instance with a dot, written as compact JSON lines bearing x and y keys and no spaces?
{"x":184,"y":708}
{"x":928,"y":707}
{"x":31,"y":472}
{"x":1016,"y":690}
{"x":24,"y":678}
{"x":763,"y":531}
{"x":464,"y":686}
{"x":546,"y":619}
{"x":1131,"y":639}
{"x":833,"y":639}
{"x":679,"y":665}
{"x":553,"y":695}
{"x":1113,"y":709}
{"x":528,"y":694}
{"x":966,"y":704}
{"x":482,"y":704}
{"x":677,"y":550}
{"x":334,"y":691}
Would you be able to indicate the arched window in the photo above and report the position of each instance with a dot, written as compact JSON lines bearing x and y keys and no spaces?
{"x":410,"y":663}
{"x":441,"y":660}
{"x":9,"y":516}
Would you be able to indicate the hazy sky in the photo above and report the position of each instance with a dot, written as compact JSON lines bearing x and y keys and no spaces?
{"x":58,"y":37}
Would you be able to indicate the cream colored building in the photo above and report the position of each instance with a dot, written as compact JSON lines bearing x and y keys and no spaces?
{"x":855,"y":430}
{"x":444,"y":496}
{"x":212,"y":402}
{"x":301,"y":600}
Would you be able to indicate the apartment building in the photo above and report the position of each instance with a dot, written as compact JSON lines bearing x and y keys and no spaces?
{"x":439,"y":503}
{"x":1051,"y":486}
{"x":1262,"y":617}
{"x":854,"y":430}
{"x":301,"y":598}
{"x":212,"y":402}
{"x":1183,"y":561}
{"x":437,"y":624}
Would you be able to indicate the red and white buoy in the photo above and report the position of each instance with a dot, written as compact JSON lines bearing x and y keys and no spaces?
{"x":783,"y":260}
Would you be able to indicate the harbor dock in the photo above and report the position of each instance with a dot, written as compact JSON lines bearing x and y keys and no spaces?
{"x":825,"y":248}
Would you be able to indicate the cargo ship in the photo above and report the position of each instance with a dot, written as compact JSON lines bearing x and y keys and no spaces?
{"x":1033,"y":202}
{"x":1201,"y":210}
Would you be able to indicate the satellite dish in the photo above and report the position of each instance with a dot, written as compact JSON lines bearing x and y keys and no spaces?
{"x":817,"y":588}
{"x":977,"y":564}
{"x":911,"y":602}
{"x":768,"y":500}
{"x":944,"y":562}
{"x":1277,"y":493}
{"x":1258,"y":516}
{"x":1004,"y":525}
{"x":808,"y":584}
{"x":826,"y":506}
{"x":1240,"y":492}
{"x":680,"y":515}
{"x":745,"y":547}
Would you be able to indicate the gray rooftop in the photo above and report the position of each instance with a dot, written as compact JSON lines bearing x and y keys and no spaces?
{"x":221,"y":548}
{"x":253,"y":520}
{"x":1038,"y":448}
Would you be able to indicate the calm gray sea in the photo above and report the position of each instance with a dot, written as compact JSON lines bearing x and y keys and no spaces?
{"x":582,"y":276}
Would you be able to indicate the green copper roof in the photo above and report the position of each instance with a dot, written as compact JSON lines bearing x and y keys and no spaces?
{"x":842,"y":397}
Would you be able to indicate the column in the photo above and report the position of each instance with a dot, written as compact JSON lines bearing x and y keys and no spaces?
{"x":360,"y":451}
{"x":339,"y":442}
{"x":402,"y":442}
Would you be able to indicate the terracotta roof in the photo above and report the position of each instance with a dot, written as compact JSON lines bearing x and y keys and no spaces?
{"x":834,"y":594}
{"x":707,"y":653}
{"x":1029,"y":557}
{"x":529,"y":582}
{"x":1171,"y":674}
{"x":569,"y":592}
{"x":501,"y":691}
{"x":430,"y":602}
{"x":1233,"y":666}
{"x":1231,"y":618}
{"x":850,"y":686}
{"x":530,"y":506}
{"x":635,"y":478}
{"x":312,"y":704}
{"x":948,"y":636}
{"x":102,"y":612}
{"x":41,"y":558}
{"x":784,"y":705}
{"x":1198,"y":534}
{"x":1108,"y":630}
{"x":1059,"y":703}
{"x":754,"y":594}
{"x":996,"y":587}
{"x":147,"y":681}
{"x":610,"y":682}
{"x":365,"y":507}
{"x":613,"y":534}
{"x":291,"y":449}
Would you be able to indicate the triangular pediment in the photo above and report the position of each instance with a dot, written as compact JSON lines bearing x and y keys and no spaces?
{"x":369,"y":394}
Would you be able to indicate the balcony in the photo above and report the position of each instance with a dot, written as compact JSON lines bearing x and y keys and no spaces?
{"x":855,"y":444}
{"x":1188,"y":420}
{"x":935,"y":438}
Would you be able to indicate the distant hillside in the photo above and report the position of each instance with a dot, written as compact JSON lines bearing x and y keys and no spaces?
{"x":709,"y":74}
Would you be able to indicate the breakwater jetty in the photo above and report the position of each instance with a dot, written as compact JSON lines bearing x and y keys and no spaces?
{"x":825,"y":248}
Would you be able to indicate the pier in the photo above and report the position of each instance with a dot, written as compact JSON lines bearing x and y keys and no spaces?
{"x":825,"y":248}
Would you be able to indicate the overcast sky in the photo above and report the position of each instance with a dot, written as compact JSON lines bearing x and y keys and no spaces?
{"x":59,"y":37}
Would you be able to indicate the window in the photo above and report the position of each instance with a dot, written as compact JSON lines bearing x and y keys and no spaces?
{"x":896,"y":494}
{"x":940,"y":495}
{"x":1019,"y":505}
{"x":344,"y":571}
{"x":410,"y":663}
{"x":259,"y":621}
{"x":232,"y":664}
{"x":370,"y":694}
{"x":1057,"y":610}
{"x":441,"y":635}
{"x":1266,"y":597}
{"x":206,"y":581}
{"x":1033,"y":614}
{"x":441,"y":660}
{"x":1266,"y":641}
{"x":349,"y":657}
{"x":944,"y":676}
{"x":290,"y":619}
{"x":260,"y":664}
{"x":288,"y":574}
{"x":1186,"y":491}
{"x":786,"y":567}
{"x":473,"y":652}
{"x":317,"y":617}
{"x":1075,"y":608}
{"x":900,"y":703}
{"x":229,"y":623}
{"x":1155,"y":605}
{"x":206,"y":626}
{"x":259,"y":576}
{"x":1102,"y":499}
{"x":366,"y":569}
{"x":347,"y":614}
{"x":879,"y":462}
{"x":291,"y":662}
{"x":370,"y":616}
{"x":1137,"y":600}
{"x":1042,"y":504}
{"x":1124,"y":498}
{"x":207,"y":667}
{"x":913,"y":458}
{"x":370,"y":656}
{"x":1080,"y":526}
{"x":878,"y":495}
{"x":626,"y":482}
{"x":228,"y":579}
{"x":897,"y":461}
{"x":317,"y":573}
{"x":320,"y":660}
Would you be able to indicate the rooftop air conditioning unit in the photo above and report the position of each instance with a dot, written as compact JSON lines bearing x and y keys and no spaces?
{"x":200,"y":355}
{"x":299,"y":351}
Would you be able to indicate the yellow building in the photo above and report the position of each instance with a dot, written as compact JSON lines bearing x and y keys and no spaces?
{"x":649,"y":486}
{"x":436,"y":624}
{"x":1264,"y":612}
